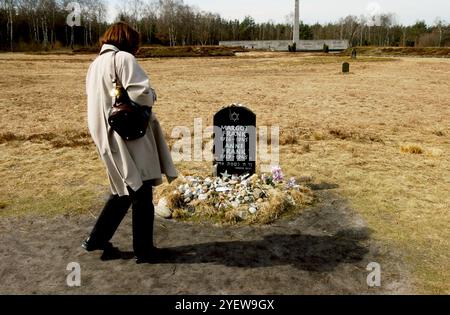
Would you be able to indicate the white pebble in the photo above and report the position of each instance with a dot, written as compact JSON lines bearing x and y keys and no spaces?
{"x":235,"y":204}
{"x":162,"y":210}
{"x":222,"y":189}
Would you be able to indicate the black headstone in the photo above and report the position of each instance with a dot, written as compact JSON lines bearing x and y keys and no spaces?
{"x":345,"y":67}
{"x":235,"y":141}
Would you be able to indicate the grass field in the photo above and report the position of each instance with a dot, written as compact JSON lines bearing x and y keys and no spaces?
{"x":380,"y":134}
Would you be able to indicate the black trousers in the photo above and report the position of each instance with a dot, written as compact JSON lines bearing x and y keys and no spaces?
{"x":114,"y":212}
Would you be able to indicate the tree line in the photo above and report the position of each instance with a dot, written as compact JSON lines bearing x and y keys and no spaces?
{"x":43,"y":25}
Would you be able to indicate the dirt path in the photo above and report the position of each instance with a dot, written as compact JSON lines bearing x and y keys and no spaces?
{"x":324,"y":251}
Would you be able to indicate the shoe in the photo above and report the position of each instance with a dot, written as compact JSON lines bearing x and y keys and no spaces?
{"x":111,"y":253}
{"x":93,"y":247}
{"x":155,"y":255}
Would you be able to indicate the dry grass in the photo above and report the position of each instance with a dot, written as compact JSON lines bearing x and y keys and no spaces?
{"x":412,"y":149}
{"x":67,"y":138}
{"x":354,"y":126}
{"x":281,"y":203}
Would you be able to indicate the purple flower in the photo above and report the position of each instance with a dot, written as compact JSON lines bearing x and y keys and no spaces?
{"x":277,"y":174}
{"x":291,"y":183}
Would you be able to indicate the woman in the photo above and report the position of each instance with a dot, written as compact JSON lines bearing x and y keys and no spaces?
{"x":133,"y":167}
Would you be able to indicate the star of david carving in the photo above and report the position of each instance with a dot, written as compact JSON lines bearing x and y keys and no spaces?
{"x":234,"y":117}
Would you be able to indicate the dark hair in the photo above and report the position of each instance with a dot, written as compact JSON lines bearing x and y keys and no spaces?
{"x":123,"y":36}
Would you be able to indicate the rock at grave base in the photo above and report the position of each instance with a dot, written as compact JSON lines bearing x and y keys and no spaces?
{"x":223,"y":189}
{"x":203,"y":197}
{"x":257,"y":193}
{"x":252,"y":210}
{"x":242,"y":215}
{"x":163,"y":210}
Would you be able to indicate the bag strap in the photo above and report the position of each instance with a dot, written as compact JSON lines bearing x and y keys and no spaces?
{"x":114,"y":77}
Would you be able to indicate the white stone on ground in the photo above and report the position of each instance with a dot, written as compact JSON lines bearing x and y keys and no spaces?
{"x":163,"y":210}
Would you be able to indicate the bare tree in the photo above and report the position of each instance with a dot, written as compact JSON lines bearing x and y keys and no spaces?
{"x":349,"y":27}
{"x":136,"y":8}
{"x":10,"y":7}
{"x":362,"y":24}
{"x":44,"y":11}
{"x":149,"y":20}
{"x":168,"y":14}
{"x":439,"y":23}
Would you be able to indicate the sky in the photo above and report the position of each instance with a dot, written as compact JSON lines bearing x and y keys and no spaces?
{"x":322,"y":11}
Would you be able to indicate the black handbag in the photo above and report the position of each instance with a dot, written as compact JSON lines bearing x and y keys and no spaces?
{"x":129,"y":119}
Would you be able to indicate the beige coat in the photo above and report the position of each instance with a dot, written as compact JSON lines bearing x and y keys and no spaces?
{"x":128,"y":163}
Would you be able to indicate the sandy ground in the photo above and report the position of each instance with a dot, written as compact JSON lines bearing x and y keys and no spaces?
{"x":324,"y":251}
{"x":359,"y":132}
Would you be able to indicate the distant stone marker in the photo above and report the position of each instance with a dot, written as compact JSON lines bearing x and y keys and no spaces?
{"x":354,"y":53}
{"x":345,"y":67}
{"x":235,"y":141}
